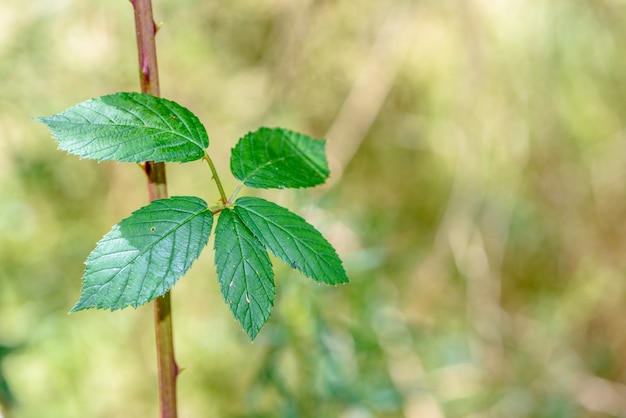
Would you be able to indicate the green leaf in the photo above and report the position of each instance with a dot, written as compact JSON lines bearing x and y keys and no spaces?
{"x":7,"y":398}
{"x":129,"y":127}
{"x":244,"y":272}
{"x":144,"y":255}
{"x":292,"y":239}
{"x":278,"y":158}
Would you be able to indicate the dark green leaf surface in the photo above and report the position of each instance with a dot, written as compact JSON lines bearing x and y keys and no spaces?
{"x":7,"y":398}
{"x":292,"y":239}
{"x":144,"y":255}
{"x":278,"y":158}
{"x":244,"y":272}
{"x":129,"y":127}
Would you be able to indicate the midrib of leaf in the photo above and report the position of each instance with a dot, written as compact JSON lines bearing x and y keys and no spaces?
{"x":124,"y":142}
{"x":304,"y":243}
{"x":295,"y":152}
{"x":241,"y":257}
{"x":304,"y":156}
{"x":171,"y":129}
{"x":165,"y":120}
{"x":147,"y":250}
{"x":262,"y":166}
{"x":179,"y":117}
{"x":251,"y":267}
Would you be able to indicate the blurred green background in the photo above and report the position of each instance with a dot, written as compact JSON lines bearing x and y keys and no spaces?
{"x":477,"y":197}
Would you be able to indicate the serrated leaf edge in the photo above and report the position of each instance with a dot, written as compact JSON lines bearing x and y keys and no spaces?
{"x":80,"y":306}
{"x":342,"y":280}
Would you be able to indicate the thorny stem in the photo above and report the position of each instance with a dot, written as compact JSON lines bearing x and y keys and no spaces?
{"x":216,"y":178}
{"x":157,"y":189}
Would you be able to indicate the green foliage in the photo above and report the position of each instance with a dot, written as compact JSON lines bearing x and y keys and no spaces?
{"x":129,"y":127}
{"x":292,"y":239}
{"x":144,"y":255}
{"x":279,"y":158}
{"x":244,"y":271}
{"x":6,"y":394}
{"x":504,"y":153}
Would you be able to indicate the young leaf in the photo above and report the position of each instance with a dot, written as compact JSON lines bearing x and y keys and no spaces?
{"x":144,"y":255}
{"x":129,"y":127}
{"x":244,"y":272}
{"x":278,"y":158}
{"x":292,"y":239}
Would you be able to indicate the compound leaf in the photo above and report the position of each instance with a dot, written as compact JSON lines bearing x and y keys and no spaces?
{"x":129,"y":127}
{"x":244,"y":272}
{"x":292,"y":239}
{"x":278,"y":158}
{"x":144,"y":255}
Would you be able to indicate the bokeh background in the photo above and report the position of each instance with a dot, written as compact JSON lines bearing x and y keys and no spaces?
{"x":477,"y":197}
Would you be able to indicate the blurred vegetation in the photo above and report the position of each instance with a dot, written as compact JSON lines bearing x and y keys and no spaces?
{"x":478,"y":159}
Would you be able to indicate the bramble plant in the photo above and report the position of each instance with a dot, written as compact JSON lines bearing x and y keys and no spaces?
{"x":144,"y":255}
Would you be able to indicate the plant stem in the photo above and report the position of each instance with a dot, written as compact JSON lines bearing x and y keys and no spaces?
{"x":157,"y":189}
{"x":235,"y":192}
{"x":216,"y":178}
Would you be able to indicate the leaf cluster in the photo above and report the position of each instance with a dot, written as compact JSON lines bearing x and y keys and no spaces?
{"x":144,"y":255}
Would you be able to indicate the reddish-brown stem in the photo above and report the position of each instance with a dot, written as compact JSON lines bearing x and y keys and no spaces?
{"x":146,"y":47}
{"x":157,"y":189}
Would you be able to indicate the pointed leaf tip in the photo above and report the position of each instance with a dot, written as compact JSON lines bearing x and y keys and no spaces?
{"x":244,"y":272}
{"x":279,"y":158}
{"x":129,"y":127}
{"x":144,"y":255}
{"x":292,"y":239}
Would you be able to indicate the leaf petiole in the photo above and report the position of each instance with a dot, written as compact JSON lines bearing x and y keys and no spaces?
{"x":216,"y":177}
{"x":235,"y":193}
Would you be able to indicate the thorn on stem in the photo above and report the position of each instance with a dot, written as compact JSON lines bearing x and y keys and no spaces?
{"x":145,"y":69}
